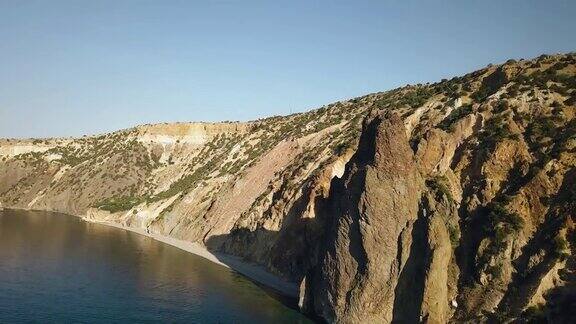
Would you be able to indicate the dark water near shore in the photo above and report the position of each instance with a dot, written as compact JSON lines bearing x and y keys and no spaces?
{"x":57,"y":268}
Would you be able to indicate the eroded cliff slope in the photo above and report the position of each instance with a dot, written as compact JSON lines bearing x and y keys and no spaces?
{"x":440,"y":202}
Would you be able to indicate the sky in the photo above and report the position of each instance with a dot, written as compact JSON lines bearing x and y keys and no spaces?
{"x":69,"y":68}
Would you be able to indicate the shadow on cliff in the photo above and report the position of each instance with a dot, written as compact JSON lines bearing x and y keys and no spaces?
{"x":277,"y":261}
{"x":410,"y":288}
{"x":527,"y":279}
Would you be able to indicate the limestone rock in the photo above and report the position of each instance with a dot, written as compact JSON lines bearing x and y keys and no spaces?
{"x":374,"y":207}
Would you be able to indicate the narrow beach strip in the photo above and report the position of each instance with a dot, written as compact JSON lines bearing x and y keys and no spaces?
{"x":250,"y":270}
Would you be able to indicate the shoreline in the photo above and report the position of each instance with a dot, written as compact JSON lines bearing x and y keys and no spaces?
{"x":251,"y":271}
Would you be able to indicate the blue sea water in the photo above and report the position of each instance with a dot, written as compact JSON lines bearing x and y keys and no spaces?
{"x":57,"y":268}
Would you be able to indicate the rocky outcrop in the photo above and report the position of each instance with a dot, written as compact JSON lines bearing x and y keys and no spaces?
{"x":189,"y":133}
{"x":387,"y":255}
{"x":480,"y":242}
{"x":373,"y":209}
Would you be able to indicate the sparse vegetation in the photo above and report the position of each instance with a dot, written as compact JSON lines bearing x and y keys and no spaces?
{"x":415,"y":98}
{"x":495,"y":131}
{"x":492,"y":173}
{"x":490,"y":85}
{"x":454,"y":233}
{"x":116,"y":204}
{"x":454,"y":116}
{"x":499,"y":217}
{"x":499,"y":225}
{"x":440,"y":185}
{"x":560,"y":247}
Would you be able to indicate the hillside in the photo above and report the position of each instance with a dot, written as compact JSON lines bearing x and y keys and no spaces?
{"x":435,"y":202}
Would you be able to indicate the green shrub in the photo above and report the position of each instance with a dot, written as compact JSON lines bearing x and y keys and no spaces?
{"x":490,"y":85}
{"x":495,"y":271}
{"x":454,"y":116}
{"x":116,"y":204}
{"x":501,"y":106}
{"x":440,"y":186}
{"x":499,"y":224}
{"x":416,"y":98}
{"x":339,"y":148}
{"x":454,"y":233}
{"x":560,"y":248}
{"x":496,"y":130}
{"x":499,"y":217}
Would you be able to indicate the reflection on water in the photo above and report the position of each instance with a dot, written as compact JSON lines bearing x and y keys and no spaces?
{"x":56,"y":268}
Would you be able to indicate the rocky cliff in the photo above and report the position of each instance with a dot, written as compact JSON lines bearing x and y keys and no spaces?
{"x":442,"y":202}
{"x":367,"y":244}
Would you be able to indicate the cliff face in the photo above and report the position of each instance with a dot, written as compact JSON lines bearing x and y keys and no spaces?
{"x":472,"y":222}
{"x":450,"y":201}
{"x":366,"y":245}
{"x":386,"y":255}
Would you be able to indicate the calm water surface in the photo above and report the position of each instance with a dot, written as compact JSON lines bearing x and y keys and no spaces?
{"x":57,"y":268}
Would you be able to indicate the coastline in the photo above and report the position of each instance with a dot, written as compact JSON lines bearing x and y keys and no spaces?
{"x":252,"y":271}
{"x":249,"y":270}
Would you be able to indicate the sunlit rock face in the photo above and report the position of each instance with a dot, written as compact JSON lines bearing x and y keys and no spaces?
{"x":374,"y":207}
{"x":449,"y":195}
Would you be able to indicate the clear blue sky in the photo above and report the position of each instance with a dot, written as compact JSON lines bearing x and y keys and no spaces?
{"x":83,"y":67}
